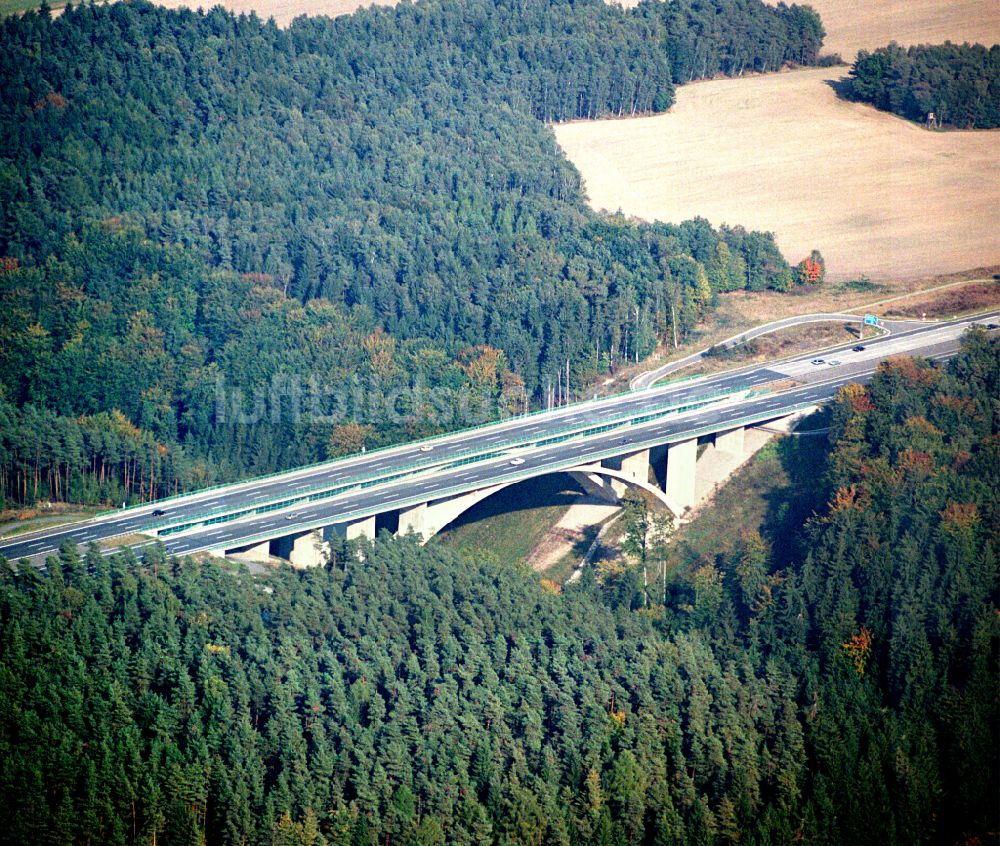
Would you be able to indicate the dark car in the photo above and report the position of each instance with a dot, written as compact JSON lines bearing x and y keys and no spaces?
{"x":859,"y":348}
{"x":158,"y":512}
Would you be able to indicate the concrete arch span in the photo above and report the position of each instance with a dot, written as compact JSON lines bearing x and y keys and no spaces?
{"x":428,"y":518}
{"x":611,"y":484}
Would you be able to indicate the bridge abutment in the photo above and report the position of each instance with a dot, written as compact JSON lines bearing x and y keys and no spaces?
{"x":595,"y":486}
{"x":256,"y":552}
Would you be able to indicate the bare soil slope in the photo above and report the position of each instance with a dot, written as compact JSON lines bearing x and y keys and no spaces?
{"x":782,"y":153}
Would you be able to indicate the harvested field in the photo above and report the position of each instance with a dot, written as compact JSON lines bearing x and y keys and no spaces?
{"x":853,"y":25}
{"x":782,"y":153}
{"x":283,"y":11}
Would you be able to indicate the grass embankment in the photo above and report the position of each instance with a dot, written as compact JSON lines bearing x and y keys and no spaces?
{"x":18,"y":521}
{"x":507,"y":526}
{"x":953,"y":302}
{"x":772,"y":493}
{"x":133,"y":539}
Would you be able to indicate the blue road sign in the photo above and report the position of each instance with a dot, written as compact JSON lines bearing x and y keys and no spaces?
{"x":871,"y":320}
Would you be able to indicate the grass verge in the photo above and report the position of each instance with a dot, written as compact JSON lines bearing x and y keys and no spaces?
{"x":23,"y":520}
{"x":773,"y":493}
{"x":954,"y":302}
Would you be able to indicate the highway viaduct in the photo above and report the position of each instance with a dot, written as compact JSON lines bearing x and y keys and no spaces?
{"x":643,"y":439}
{"x":666,"y":471}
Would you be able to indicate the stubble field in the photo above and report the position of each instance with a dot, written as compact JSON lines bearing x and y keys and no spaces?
{"x":853,"y":25}
{"x":783,"y":153}
{"x":283,"y":11}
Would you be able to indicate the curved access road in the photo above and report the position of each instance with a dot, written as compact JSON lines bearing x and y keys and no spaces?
{"x":648,"y":379}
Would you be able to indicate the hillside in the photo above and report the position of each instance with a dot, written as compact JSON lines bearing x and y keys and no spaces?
{"x":844,"y":693}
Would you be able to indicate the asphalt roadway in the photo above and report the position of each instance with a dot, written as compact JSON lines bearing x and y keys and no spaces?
{"x":442,"y":475}
{"x":651,"y":377}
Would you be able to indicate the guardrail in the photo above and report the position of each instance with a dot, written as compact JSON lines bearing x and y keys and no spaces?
{"x":434,"y":439}
{"x":223,"y":513}
{"x":672,"y":383}
{"x":509,"y":478}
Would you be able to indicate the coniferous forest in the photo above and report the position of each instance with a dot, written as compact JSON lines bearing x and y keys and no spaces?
{"x":845,"y":695}
{"x":195,"y":205}
{"x":228,"y":248}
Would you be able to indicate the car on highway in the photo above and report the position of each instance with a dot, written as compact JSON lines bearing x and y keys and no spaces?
{"x":158,"y":512}
{"x":291,"y":516}
{"x":991,"y":326}
{"x":859,"y":348}
{"x":426,"y":448}
{"x":624,"y":441}
{"x":816,"y":361}
{"x":833,"y":362}
{"x":517,"y":461}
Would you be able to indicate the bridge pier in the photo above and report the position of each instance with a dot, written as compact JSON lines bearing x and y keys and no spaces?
{"x":632,"y":465}
{"x":732,"y":441}
{"x":309,"y":550}
{"x":414,"y":519}
{"x":363,"y":528}
{"x":682,"y":458}
{"x":256,"y":552}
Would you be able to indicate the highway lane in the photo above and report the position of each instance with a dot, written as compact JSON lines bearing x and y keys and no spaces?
{"x":449,"y":447}
{"x":645,"y":380}
{"x":552,"y":458}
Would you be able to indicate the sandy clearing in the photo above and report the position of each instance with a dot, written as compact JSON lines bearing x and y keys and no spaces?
{"x":853,"y":25}
{"x":874,"y":193}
